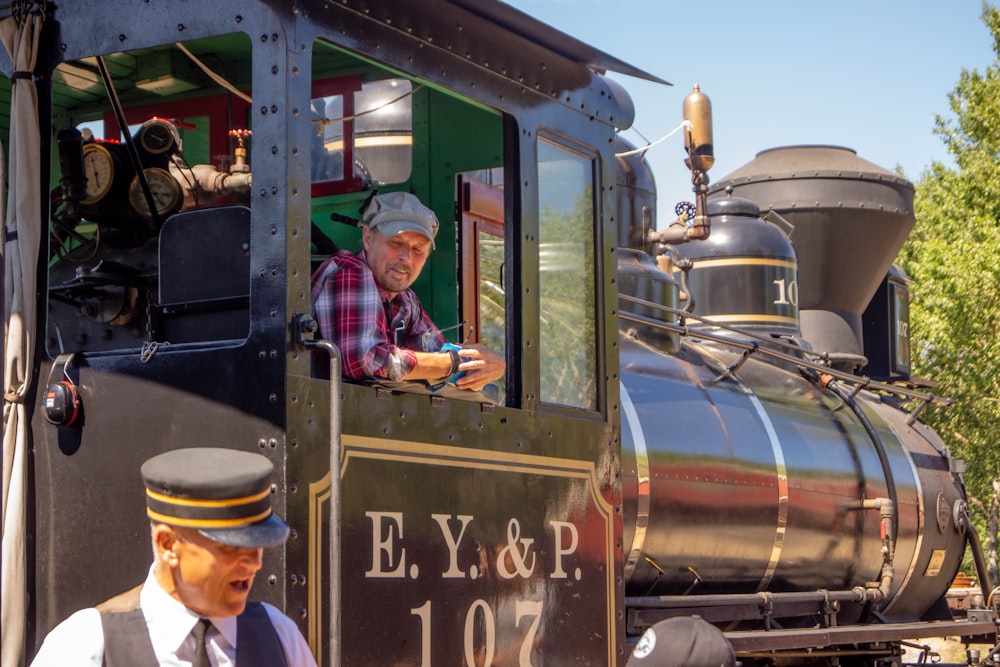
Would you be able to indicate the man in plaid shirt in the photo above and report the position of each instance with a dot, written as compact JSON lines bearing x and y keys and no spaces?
{"x":363,"y":303}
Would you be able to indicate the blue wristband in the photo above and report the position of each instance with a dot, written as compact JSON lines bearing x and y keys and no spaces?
{"x":454,"y":373}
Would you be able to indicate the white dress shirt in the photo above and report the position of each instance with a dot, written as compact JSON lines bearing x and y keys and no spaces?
{"x":79,"y":640}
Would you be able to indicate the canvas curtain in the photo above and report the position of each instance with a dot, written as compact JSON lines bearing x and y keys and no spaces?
{"x":21,"y":239}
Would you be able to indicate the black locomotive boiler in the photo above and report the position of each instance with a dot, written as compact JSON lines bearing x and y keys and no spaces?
{"x":776,"y":476}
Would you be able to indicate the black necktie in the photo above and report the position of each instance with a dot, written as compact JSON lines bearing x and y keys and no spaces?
{"x":200,"y":658}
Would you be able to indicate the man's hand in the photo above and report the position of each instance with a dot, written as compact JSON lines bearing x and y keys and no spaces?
{"x":481,"y":365}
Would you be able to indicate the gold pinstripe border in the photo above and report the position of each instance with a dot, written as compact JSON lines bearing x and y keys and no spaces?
{"x":319,"y":493}
{"x":749,"y":318}
{"x":359,"y":447}
{"x":742,"y":261}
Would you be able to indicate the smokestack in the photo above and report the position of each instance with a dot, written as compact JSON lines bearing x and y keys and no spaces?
{"x":850,"y":219}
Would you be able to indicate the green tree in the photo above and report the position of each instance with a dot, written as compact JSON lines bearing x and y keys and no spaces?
{"x":953,"y":259}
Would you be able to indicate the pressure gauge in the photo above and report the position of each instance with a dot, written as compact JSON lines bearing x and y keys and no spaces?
{"x":158,"y":136}
{"x":99,"y":168}
{"x":166,"y":193}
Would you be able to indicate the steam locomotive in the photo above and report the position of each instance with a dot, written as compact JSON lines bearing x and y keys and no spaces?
{"x":715,"y":418}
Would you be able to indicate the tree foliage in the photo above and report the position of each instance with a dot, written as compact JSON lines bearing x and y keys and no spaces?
{"x":953,"y":259}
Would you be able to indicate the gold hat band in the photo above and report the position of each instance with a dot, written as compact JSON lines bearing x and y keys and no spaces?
{"x":207,"y":523}
{"x":196,"y":502}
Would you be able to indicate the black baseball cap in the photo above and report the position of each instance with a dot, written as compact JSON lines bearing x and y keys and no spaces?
{"x":683,"y":641}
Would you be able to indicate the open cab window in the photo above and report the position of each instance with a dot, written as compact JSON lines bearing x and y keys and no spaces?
{"x":124,"y":272}
{"x":400,"y":134}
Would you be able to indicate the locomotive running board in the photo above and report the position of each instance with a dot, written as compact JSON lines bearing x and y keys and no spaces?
{"x":818,"y":638}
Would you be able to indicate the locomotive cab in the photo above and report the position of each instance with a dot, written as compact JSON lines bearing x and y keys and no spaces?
{"x":198,"y":176}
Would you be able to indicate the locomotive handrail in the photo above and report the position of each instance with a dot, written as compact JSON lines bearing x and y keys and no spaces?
{"x":859,"y":381}
{"x":304,"y":327}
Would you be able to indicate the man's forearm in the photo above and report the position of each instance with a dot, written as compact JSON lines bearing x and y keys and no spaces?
{"x":431,"y":366}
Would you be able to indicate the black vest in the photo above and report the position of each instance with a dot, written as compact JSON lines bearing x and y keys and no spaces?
{"x":127,"y":644}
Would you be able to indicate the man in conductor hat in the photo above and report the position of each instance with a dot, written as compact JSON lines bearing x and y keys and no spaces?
{"x":210,"y":515}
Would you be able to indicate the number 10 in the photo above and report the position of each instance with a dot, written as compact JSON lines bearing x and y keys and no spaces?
{"x":788,"y":292}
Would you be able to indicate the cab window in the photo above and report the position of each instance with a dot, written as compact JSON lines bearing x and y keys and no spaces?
{"x":136,"y":259}
{"x":567,"y":277}
{"x":376,"y":118}
{"x":373,"y":130}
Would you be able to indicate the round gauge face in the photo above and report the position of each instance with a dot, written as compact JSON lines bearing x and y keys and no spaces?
{"x":99,"y":168}
{"x":164,"y":188}
{"x":157,"y":136}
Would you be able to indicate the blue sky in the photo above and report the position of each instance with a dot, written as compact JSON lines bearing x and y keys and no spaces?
{"x":866,"y":75}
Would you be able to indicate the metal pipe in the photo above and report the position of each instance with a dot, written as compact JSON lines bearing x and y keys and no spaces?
{"x":810,"y":655}
{"x":886,"y":506}
{"x":888,"y":513}
{"x":335,"y":500}
{"x":857,"y":594}
{"x":972,"y":535}
{"x":132,"y":151}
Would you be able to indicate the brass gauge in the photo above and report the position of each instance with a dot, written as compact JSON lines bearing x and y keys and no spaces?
{"x":166,"y":193}
{"x":158,"y":136}
{"x":99,"y":169}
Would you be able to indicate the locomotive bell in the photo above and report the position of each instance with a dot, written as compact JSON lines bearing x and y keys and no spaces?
{"x":745,"y":274}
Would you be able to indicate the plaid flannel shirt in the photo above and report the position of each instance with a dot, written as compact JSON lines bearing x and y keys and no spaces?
{"x":377,"y":336}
